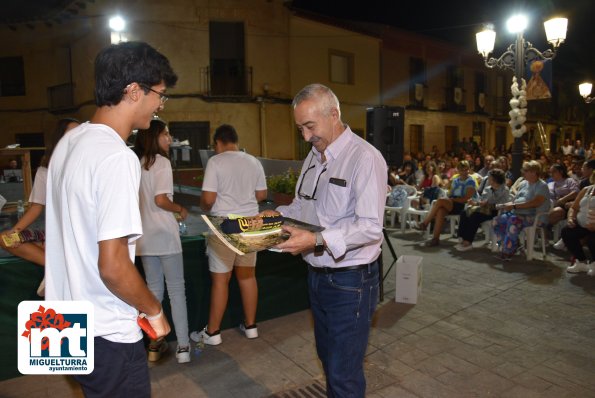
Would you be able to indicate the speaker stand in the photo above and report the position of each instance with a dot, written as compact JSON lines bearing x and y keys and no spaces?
{"x":381,"y":264}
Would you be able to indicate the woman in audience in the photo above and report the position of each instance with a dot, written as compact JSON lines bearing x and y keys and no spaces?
{"x":35,"y":251}
{"x":442,"y":173}
{"x":532,"y":197}
{"x":581,"y":227}
{"x":563,"y":191}
{"x":430,"y":184}
{"x":462,"y":189}
{"x":505,"y":166}
{"x":407,"y":174}
{"x":393,"y":176}
{"x":478,"y":163}
{"x":483,"y":209}
{"x":451,"y":167}
{"x":160,"y":247}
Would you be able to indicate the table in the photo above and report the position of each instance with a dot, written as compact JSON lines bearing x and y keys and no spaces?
{"x":282,"y":289}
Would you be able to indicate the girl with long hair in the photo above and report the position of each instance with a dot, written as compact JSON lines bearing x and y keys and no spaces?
{"x":160,"y":247}
{"x":35,"y":251}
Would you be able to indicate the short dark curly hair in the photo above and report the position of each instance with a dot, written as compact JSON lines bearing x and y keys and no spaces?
{"x":497,"y":175}
{"x":120,"y":64}
{"x":226,"y":134}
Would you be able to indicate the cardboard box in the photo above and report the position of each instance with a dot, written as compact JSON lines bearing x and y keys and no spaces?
{"x":409,"y":277}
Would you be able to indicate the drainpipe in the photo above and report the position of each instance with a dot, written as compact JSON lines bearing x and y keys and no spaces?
{"x":263,"y":130}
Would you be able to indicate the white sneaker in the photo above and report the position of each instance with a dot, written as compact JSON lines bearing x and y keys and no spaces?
{"x":463,"y":248}
{"x":205,"y":337}
{"x":559,"y":245}
{"x":183,"y":354}
{"x":251,"y":332}
{"x":591,"y":271}
{"x":578,"y":266}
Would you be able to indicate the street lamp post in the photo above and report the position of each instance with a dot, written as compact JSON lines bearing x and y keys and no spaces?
{"x":117,"y":25}
{"x":519,"y":54}
{"x":585,"y":90}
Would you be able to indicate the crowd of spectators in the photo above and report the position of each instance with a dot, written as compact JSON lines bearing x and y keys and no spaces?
{"x":479,"y":186}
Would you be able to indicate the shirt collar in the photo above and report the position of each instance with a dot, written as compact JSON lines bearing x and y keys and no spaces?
{"x":337,"y":146}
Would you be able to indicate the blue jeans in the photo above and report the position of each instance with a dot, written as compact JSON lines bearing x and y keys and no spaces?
{"x":172,"y":267}
{"x":342,"y":304}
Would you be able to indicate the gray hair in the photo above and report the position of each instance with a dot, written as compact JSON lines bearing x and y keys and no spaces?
{"x":328,"y":100}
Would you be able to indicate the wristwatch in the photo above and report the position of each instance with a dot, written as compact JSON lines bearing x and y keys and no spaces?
{"x":319,"y":246}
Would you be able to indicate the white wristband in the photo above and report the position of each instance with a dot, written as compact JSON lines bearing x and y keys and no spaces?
{"x":152,"y":317}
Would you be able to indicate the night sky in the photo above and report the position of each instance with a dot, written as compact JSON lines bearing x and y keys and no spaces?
{"x":457,"y":21}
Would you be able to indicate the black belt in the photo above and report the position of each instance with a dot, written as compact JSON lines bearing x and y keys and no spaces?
{"x":331,"y":270}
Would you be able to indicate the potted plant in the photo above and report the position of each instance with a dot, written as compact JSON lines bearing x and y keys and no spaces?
{"x":283,"y":186}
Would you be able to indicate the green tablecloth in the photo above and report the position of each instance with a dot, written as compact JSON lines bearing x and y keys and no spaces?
{"x":281,"y":290}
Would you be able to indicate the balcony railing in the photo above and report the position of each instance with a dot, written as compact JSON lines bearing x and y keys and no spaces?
{"x":226,"y":80}
{"x":454,"y":99}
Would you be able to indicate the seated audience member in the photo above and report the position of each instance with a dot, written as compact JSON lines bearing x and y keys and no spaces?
{"x":484,"y":209}
{"x":478,"y":165}
{"x":575,"y":169}
{"x":586,"y":171}
{"x":419,"y":172}
{"x":567,"y":148}
{"x":532,"y":197}
{"x":393,"y":176}
{"x":484,"y":182}
{"x":590,"y":151}
{"x":35,"y":251}
{"x":563,"y":191}
{"x":487,"y":165}
{"x":451,"y":167}
{"x":430,"y":185}
{"x":442,"y":173}
{"x":579,"y":150}
{"x":504,"y":164}
{"x":462,"y":189}
{"x":407,"y":174}
{"x":581,"y":226}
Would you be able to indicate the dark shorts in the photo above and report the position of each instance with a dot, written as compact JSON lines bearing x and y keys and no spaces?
{"x":457,"y":208}
{"x":121,"y":371}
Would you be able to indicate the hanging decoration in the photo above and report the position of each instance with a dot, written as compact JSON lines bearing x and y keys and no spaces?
{"x":518,"y":108}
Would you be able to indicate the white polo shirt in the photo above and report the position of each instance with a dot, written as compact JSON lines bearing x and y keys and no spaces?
{"x":92,"y":195}
{"x":234,"y":176}
{"x":161,"y":235}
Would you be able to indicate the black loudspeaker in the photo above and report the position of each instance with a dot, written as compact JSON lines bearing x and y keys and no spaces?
{"x":385,"y":130}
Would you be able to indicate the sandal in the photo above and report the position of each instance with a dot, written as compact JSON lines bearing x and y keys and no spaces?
{"x":420,"y":226}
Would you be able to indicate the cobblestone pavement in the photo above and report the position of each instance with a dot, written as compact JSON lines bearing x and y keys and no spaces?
{"x":482,"y":328}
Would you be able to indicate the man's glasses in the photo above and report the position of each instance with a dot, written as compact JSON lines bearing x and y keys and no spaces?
{"x":303,"y":195}
{"x":162,"y":96}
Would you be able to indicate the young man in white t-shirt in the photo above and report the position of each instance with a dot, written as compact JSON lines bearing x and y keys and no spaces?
{"x":234,"y":183}
{"x":93,"y":218}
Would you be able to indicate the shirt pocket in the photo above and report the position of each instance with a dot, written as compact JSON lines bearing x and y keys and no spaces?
{"x":337,"y":200}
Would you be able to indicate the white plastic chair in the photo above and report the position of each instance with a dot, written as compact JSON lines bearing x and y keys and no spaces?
{"x":557,"y":229}
{"x":490,"y":236}
{"x":392,"y":211}
{"x":454,"y":220}
{"x":528,"y":236}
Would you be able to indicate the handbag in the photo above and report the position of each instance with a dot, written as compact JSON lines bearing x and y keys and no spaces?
{"x":485,"y":209}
